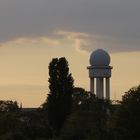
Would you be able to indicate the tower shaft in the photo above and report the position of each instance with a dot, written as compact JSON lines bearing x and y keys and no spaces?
{"x":99,"y":88}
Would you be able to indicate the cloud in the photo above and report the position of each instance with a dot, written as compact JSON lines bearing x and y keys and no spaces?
{"x":80,"y":40}
{"x":31,"y":41}
{"x":84,"y":42}
{"x":110,"y":24}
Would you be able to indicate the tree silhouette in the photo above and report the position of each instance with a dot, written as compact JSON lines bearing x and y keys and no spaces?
{"x":59,"y":99}
{"x":126,"y":121}
{"x":9,"y":106}
{"x":88,"y":121}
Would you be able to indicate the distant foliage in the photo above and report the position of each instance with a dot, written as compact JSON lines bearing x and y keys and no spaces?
{"x":14,"y":136}
{"x":88,"y":121}
{"x":79,"y":96}
{"x":126,"y":120}
{"x":8,"y":106}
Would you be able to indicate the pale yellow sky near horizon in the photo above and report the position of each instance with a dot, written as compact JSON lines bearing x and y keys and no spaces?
{"x":24,"y":69}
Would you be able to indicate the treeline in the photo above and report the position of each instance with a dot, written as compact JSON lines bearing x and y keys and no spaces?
{"x":71,"y":113}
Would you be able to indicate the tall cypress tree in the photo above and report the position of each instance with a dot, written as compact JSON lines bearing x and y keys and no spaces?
{"x":59,"y":100}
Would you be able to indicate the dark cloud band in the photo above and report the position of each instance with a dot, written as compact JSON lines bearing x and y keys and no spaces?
{"x":116,"y":22}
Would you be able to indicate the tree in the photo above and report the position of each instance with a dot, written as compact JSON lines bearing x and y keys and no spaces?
{"x":59,"y":101}
{"x":88,"y":121}
{"x":9,"y":106}
{"x":35,"y":125}
{"x":10,"y":122}
{"x":14,"y":136}
{"x":126,"y":121}
{"x":79,"y":96}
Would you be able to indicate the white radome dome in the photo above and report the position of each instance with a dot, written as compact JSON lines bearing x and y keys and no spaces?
{"x":99,"y":57}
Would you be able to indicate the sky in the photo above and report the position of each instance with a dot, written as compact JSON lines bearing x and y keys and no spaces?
{"x":32,"y":32}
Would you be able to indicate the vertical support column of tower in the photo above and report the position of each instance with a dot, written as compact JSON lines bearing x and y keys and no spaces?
{"x":99,"y":88}
{"x":92,"y":86}
{"x":99,"y":69}
{"x":108,"y":88}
